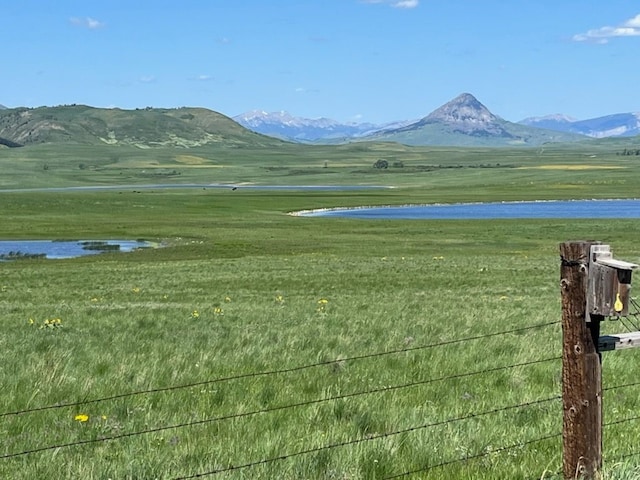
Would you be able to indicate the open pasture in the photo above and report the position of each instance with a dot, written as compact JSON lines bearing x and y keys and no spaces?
{"x":260,"y":345}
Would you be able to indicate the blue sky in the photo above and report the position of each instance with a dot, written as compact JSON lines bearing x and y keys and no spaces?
{"x":349,"y":60}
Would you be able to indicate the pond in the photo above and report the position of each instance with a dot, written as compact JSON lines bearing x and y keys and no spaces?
{"x":538,"y":209}
{"x":53,"y":249}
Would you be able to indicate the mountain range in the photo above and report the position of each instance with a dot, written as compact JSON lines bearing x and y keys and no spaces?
{"x":287,"y":127}
{"x":463,"y":115}
{"x":464,"y":121}
{"x":617,"y":125}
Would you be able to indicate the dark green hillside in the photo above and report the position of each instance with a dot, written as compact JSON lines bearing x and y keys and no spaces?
{"x":149,"y":127}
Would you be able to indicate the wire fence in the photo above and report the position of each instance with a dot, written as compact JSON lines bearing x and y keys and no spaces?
{"x":368,"y":438}
{"x":475,"y":456}
{"x":276,"y":371}
{"x":275,"y":409}
{"x":631,"y":321}
{"x":364,"y":439}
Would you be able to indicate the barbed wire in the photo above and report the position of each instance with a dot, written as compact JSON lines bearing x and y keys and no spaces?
{"x":626,"y":385}
{"x":273,"y":409}
{"x":622,"y":457}
{"x":623,"y":420}
{"x":625,"y":321}
{"x":635,"y":304}
{"x":631,"y":316}
{"x":273,"y":372}
{"x":366,"y":439}
{"x":474,"y":457}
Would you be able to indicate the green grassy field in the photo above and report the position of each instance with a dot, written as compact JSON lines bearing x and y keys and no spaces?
{"x":316,"y":348}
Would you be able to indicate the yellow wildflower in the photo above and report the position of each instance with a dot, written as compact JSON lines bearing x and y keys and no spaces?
{"x":322,"y":303}
{"x":227,"y":299}
{"x":195,"y":314}
{"x":82,"y":417}
{"x":31,"y":321}
{"x":135,"y":289}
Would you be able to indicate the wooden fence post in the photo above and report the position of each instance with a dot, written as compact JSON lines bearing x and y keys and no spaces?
{"x":581,"y":368}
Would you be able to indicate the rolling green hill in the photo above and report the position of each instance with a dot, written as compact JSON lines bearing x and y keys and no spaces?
{"x":144,"y":128}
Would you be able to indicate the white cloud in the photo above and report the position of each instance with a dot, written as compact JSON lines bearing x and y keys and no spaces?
{"x":306,"y":91}
{"x":405,"y":4}
{"x":396,"y":3}
{"x":630,"y":28}
{"x":633,"y":22}
{"x":87,"y":22}
{"x":147,"y":79}
{"x":204,"y":78}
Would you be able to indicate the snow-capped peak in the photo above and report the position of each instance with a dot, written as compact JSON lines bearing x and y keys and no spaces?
{"x":556,"y":117}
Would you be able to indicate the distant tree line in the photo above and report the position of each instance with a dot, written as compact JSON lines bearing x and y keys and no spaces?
{"x":629,"y":151}
{"x":382,"y":164}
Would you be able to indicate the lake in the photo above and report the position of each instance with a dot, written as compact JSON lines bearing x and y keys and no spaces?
{"x":15,"y":249}
{"x":462,"y":211}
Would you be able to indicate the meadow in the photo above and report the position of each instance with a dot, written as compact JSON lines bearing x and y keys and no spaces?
{"x":256,"y":344}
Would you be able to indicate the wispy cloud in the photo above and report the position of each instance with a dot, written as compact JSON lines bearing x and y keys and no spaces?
{"x":147,"y":79}
{"x":396,"y":3}
{"x":86,"y":22}
{"x":630,"y":28}
{"x":305,"y":90}
{"x":202,"y":78}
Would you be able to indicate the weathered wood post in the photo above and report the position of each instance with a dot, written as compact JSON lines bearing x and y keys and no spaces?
{"x":581,"y":367}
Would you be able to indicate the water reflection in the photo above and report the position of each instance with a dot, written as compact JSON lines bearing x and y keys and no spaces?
{"x":541,"y":209}
{"x":54,"y":249}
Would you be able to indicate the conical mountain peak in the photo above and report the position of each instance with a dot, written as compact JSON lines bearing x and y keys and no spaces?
{"x":464,"y":109}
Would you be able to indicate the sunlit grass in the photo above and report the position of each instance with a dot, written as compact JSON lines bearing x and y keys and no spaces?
{"x":241,"y":289}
